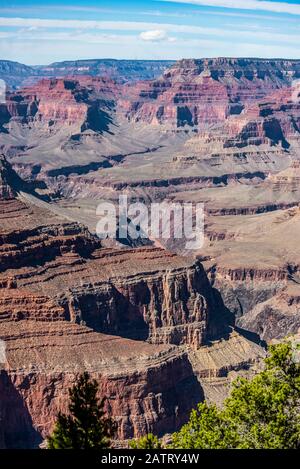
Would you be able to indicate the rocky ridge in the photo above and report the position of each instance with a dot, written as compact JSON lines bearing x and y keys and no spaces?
{"x":224,"y":132}
{"x":199,"y":93}
{"x":17,"y":75}
{"x":65,"y":307}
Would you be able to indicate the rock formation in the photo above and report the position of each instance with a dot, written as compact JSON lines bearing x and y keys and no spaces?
{"x":213,"y":113}
{"x":146,"y":322}
{"x":129,"y":317}
{"x":119,"y":70}
{"x":66,"y":102}
{"x":16,"y":74}
{"x":199,"y":93}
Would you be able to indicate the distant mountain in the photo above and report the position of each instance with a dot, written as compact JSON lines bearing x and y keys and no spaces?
{"x":16,"y":74}
{"x":121,"y":70}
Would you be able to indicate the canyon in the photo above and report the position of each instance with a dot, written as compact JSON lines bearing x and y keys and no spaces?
{"x":66,"y":307}
{"x":160,"y":327}
{"x":16,"y":74}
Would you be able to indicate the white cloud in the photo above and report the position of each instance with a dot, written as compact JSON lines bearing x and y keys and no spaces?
{"x":275,"y":7}
{"x":85,"y":47}
{"x":154,"y":35}
{"x":145,"y":27}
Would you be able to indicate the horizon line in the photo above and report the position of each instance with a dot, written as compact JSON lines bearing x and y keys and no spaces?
{"x":152,"y":60}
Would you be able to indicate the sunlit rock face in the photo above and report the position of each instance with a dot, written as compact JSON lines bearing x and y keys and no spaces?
{"x":153,"y":327}
{"x":131,"y":317}
{"x":200,"y":93}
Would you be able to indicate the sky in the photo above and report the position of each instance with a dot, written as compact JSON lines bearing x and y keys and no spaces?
{"x":42,"y":32}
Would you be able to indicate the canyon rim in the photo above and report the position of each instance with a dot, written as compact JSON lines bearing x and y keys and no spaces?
{"x":211,"y":142}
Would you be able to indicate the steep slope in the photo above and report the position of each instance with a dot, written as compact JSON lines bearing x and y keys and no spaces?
{"x":198,"y":93}
{"x":83,"y":124}
{"x":129,"y":317}
{"x":15,"y":73}
{"x":220,"y":131}
{"x":64,"y":101}
{"x":6,"y":175}
{"x":68,"y":125}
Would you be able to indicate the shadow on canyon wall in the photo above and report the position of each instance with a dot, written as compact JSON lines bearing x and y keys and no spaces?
{"x":16,"y":427}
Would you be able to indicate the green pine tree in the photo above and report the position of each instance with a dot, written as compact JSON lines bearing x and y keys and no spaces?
{"x":149,"y":441}
{"x":85,"y":426}
{"x":262,"y":413}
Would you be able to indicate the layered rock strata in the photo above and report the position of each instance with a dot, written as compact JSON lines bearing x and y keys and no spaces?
{"x":199,"y":93}
{"x":129,"y":317}
{"x":85,"y":101}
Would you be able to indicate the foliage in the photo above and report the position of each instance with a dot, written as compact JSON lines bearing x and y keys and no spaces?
{"x":85,"y":426}
{"x":259,"y":413}
{"x":149,"y":441}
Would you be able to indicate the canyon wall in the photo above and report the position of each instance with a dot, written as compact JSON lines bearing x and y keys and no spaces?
{"x":200,"y":93}
{"x":155,"y":328}
{"x":128,"y":316}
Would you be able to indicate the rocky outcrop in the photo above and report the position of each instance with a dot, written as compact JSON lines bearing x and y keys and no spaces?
{"x":277,"y":317}
{"x":130,"y":317}
{"x":274,"y":121}
{"x":167,"y":300}
{"x":243,"y":289}
{"x":255,"y":265}
{"x":84,"y":102}
{"x":149,"y":388}
{"x":198,"y":93}
{"x":6,"y":189}
{"x":178,"y":104}
{"x":218,"y":364}
{"x":14,"y":73}
{"x":143,"y":383}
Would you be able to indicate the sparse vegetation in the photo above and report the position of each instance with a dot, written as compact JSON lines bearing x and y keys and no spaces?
{"x":85,"y":427}
{"x":262,"y":413}
{"x":149,"y":441}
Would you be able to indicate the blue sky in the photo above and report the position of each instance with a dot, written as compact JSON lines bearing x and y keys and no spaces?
{"x":35,"y":32}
